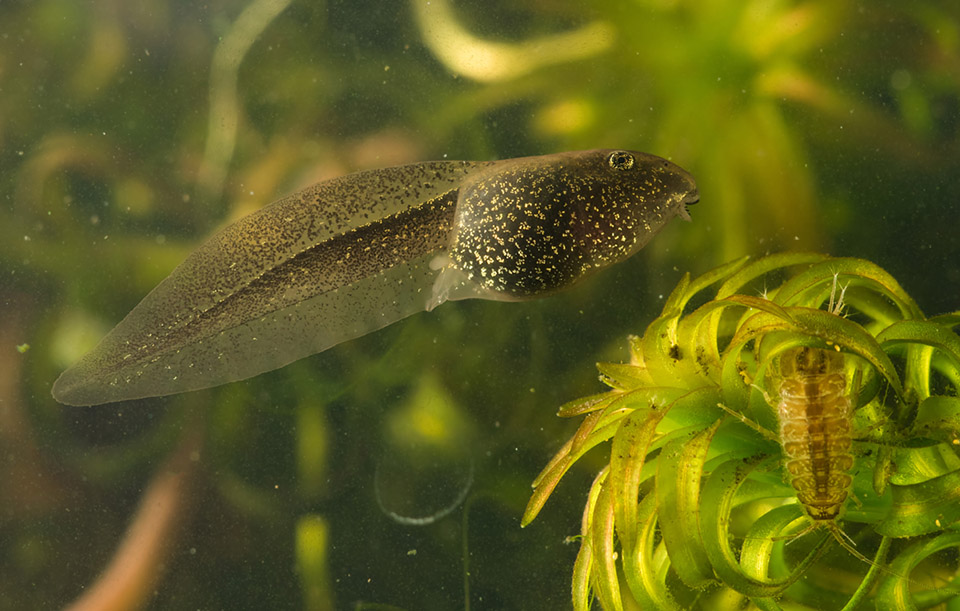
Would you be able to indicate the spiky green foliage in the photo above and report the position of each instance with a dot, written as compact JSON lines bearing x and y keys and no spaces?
{"x":692,"y":510}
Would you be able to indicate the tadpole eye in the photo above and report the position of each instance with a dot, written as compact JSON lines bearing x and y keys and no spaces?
{"x":621,"y":160}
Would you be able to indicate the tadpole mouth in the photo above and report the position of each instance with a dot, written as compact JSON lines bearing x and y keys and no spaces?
{"x":689,"y":199}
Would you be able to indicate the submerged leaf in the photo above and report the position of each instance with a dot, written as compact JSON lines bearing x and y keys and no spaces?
{"x":627,"y":455}
{"x":695,"y":456}
{"x":924,"y":507}
{"x":681,"y":466}
{"x":895,"y":591}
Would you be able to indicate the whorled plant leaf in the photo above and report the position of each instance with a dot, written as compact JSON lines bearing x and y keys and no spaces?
{"x":680,"y":469}
{"x":926,"y":333}
{"x":695,"y":442}
{"x":924,"y":507}
{"x":938,"y":417}
{"x":583,"y":565}
{"x":895,"y":590}
{"x":628,"y":451}
{"x":605,"y":579}
{"x":718,"y":500}
{"x":854,"y":271}
{"x":645,"y":566}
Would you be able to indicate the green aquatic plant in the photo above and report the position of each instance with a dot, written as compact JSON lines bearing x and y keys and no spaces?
{"x":692,"y":509}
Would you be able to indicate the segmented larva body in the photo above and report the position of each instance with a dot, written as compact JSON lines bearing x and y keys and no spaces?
{"x":815,"y":430}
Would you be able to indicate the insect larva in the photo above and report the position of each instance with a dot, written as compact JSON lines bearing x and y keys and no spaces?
{"x":815,"y":430}
{"x":816,"y":434}
{"x":815,"y":416}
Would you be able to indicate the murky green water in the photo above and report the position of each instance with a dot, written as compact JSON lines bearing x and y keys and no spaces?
{"x":130,"y":132}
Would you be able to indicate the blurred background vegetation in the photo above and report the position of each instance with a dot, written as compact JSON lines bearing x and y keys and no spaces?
{"x":130,"y":131}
